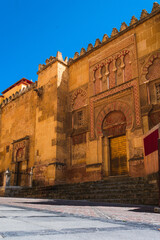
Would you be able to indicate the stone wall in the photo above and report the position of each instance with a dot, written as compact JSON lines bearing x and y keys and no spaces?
{"x":57,"y":123}
{"x":17,"y":118}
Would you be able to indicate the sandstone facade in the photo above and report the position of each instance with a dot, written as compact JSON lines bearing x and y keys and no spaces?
{"x":84,"y":119}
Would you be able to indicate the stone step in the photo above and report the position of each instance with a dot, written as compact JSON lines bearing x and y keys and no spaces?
{"x":112,"y":190}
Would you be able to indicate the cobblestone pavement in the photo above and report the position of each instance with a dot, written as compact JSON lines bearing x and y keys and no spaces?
{"x":141,"y":214}
{"x":37,"y":219}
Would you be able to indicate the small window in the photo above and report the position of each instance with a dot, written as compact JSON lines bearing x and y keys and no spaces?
{"x":80,"y":118}
{"x":7,"y":149}
{"x":158,"y":92}
{"x":37,"y":152}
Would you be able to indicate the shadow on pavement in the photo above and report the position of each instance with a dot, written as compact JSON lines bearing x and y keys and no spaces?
{"x":58,"y":202}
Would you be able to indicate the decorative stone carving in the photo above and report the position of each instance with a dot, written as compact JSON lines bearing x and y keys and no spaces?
{"x":76,"y":55}
{"x":114,"y":32}
{"x":144,"y":14}
{"x":83,"y":51}
{"x":115,"y":106}
{"x":97,"y":83}
{"x":90,"y":47}
{"x":20,"y":149}
{"x":151,"y":67}
{"x":118,"y":70}
{"x":78,"y":99}
{"x":97,"y":43}
{"x":156,"y":6}
{"x":128,"y":68}
{"x":133,"y":20}
{"x":131,"y":84}
{"x":123,"y":26}
{"x":105,"y":38}
{"x":154,"y":70}
{"x":114,"y":124}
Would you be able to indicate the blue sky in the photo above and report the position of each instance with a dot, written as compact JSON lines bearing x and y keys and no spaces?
{"x":33,"y":30}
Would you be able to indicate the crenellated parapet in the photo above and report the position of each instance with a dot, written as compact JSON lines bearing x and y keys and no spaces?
{"x":144,"y":14}
{"x":105,"y":38}
{"x":52,"y":60}
{"x":18,"y":94}
{"x":123,"y":26}
{"x":97,"y":43}
{"x":115,"y":33}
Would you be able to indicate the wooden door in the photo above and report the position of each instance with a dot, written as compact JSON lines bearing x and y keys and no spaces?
{"x":118,"y":156}
{"x":19,"y":173}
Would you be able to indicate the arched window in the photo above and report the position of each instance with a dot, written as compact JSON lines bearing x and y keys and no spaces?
{"x":119,"y":72}
{"x":128,"y":69}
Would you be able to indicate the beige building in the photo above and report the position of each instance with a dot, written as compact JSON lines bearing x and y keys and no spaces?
{"x":85,"y":118}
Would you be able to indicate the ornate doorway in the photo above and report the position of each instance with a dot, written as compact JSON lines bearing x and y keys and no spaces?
{"x":19,"y":160}
{"x":114,"y":128}
{"x":118,"y":156}
{"x":19,"y":173}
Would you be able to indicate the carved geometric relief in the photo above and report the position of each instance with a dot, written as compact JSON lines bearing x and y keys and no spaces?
{"x":112,"y":72}
{"x":154,"y":70}
{"x":20,"y":155}
{"x":97,"y":81}
{"x":103,"y":71}
{"x":78,"y":99}
{"x":111,"y":75}
{"x":120,"y":114}
{"x":127,"y":69}
{"x":131,"y":84}
{"x":114,"y":124}
{"x":20,"y":150}
{"x":119,"y":71}
{"x":151,"y":69}
{"x":114,"y":118}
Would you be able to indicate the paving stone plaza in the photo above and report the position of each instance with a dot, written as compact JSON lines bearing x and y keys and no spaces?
{"x":27,"y":219}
